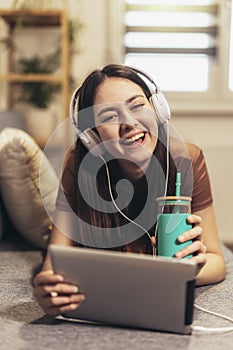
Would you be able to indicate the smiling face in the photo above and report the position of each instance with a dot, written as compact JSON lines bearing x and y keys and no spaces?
{"x":126,"y":123}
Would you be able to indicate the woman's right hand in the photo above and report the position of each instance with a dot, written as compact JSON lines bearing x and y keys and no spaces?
{"x":54,"y":295}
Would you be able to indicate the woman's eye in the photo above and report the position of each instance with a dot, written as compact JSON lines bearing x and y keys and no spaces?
{"x":109,"y":118}
{"x":137,"y":106}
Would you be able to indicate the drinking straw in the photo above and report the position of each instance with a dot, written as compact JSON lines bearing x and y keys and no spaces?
{"x":178,"y":184}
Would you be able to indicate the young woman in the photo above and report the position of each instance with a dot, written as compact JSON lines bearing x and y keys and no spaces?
{"x":107,"y":197}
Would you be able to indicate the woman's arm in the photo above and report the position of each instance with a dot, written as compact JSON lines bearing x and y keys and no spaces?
{"x":214,"y":269}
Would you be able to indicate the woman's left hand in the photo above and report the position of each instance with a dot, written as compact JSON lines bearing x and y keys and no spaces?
{"x":197,"y":247}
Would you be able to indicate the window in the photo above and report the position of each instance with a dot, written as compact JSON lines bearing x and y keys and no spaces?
{"x":187,"y":45}
{"x":175,"y":40}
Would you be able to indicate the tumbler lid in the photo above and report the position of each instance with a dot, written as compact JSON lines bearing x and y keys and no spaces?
{"x":174,"y":198}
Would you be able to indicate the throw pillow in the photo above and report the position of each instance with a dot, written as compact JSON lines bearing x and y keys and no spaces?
{"x":24,"y":170}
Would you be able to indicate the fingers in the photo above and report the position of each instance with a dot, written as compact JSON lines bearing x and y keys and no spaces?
{"x":54,"y":295}
{"x":153,"y":241}
{"x":59,"y":304}
{"x":193,"y":234}
{"x":58,"y":288}
{"x":200,"y":259}
{"x":47,"y":277}
{"x":195,"y":248}
{"x":54,"y":304}
{"x":194,"y":219}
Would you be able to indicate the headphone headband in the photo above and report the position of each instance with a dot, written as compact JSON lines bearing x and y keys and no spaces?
{"x":146,"y":75}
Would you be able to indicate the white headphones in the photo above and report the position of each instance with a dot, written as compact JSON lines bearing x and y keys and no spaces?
{"x":90,"y":139}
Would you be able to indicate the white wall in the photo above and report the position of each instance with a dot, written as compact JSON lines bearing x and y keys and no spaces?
{"x":92,"y":42}
{"x":213,"y":134}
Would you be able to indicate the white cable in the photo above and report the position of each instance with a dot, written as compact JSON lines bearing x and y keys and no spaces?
{"x":116,"y":206}
{"x":212,"y":329}
{"x":167,"y":159}
{"x":166,"y":178}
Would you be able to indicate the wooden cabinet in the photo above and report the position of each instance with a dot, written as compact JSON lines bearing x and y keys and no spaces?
{"x":39,"y":19}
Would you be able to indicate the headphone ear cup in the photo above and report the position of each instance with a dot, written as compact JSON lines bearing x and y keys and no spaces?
{"x":91,"y":140}
{"x":161,"y":107}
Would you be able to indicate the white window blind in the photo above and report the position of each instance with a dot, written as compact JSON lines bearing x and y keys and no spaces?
{"x":175,"y":40}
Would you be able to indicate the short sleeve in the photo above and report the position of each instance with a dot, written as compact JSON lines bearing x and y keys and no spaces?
{"x":202,"y":194}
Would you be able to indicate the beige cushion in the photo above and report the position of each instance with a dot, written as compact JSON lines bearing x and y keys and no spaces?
{"x":24,"y":170}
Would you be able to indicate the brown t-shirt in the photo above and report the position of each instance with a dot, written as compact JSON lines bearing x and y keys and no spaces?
{"x":202,"y":195}
{"x":198,"y":176}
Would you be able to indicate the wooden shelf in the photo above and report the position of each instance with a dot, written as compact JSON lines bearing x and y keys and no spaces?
{"x":15,"y":19}
{"x":47,"y":78}
{"x":32,"y":18}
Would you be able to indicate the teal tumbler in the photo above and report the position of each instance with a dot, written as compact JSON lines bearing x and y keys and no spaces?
{"x":172,"y":222}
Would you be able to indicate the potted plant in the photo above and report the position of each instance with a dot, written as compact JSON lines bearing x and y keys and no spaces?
{"x":38,"y":94}
{"x":35,"y":97}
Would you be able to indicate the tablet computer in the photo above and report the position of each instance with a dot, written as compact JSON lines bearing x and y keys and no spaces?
{"x":129,"y":289}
